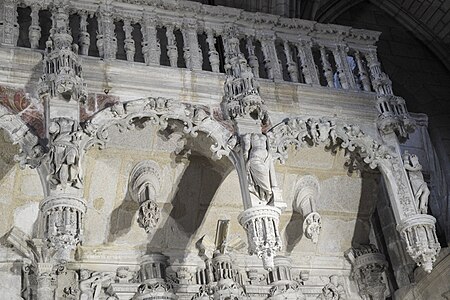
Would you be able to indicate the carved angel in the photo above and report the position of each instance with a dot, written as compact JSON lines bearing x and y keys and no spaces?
{"x":419,"y":186}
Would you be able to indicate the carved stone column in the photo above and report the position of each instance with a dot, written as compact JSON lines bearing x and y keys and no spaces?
{"x":308,"y":66}
{"x":9,"y":28}
{"x":150,"y":45}
{"x":253,"y":161}
{"x":290,"y":64}
{"x":252,"y":59}
{"x":327,"y":70}
{"x":144,"y":188}
{"x":45,"y":281}
{"x":343,"y":69}
{"x":34,"y":32}
{"x":213,"y":54}
{"x":172,"y":51}
{"x":270,"y":56}
{"x":363,"y":76}
{"x":368,"y":265}
{"x":192,"y":52}
{"x":129,"y":46}
{"x":409,"y":196}
{"x":85,"y":37}
{"x":106,"y":38}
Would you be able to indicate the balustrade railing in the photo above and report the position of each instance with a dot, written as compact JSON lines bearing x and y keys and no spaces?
{"x":184,"y":34}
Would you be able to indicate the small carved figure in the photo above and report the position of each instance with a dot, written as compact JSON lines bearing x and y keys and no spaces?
{"x":64,"y":154}
{"x":259,"y":163}
{"x":419,"y":186}
{"x":332,"y":290}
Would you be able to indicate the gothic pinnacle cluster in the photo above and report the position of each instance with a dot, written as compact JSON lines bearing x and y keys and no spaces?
{"x":241,"y":89}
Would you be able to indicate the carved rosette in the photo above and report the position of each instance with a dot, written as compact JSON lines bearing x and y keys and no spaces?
{"x":312,"y":226}
{"x":63,"y":224}
{"x":368,"y":267}
{"x":144,"y":188}
{"x":419,"y":233}
{"x":261,"y":225}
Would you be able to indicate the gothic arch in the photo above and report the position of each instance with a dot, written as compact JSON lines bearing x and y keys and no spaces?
{"x":188,"y":120}
{"x":314,"y":132}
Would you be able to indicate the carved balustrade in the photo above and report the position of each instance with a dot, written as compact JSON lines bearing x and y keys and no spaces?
{"x":184,"y":34}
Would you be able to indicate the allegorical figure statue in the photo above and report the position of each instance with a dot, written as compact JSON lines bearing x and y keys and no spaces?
{"x":259,"y":163}
{"x":419,"y":186}
{"x":64,"y":154}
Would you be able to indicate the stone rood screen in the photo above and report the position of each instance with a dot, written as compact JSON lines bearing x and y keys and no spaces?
{"x":196,"y":148}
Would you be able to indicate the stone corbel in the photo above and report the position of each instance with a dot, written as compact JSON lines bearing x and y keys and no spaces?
{"x":144,"y":185}
{"x":368,"y":265}
{"x":307,"y":192}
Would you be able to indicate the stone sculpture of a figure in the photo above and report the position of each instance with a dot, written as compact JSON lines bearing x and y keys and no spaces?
{"x":419,"y":186}
{"x":332,"y":290}
{"x":64,"y":154}
{"x":259,"y":164}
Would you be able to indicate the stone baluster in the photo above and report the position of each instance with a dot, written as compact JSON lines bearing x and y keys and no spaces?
{"x":172,"y":51}
{"x":34,"y":32}
{"x":308,"y":66}
{"x":106,"y":38}
{"x":270,"y":57}
{"x":327,"y":70}
{"x":213,"y":54}
{"x":380,"y":81}
{"x":9,"y":28}
{"x":151,"y":48}
{"x":342,"y":67}
{"x":85,"y":37}
{"x":252,"y":59}
{"x":129,"y":46}
{"x":362,"y":72}
{"x":192,"y":51}
{"x":291,"y":65}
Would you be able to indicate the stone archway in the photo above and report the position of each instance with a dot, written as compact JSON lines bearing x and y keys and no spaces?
{"x":416,"y":229}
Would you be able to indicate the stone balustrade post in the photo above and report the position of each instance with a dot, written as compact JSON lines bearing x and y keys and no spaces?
{"x":34,"y":32}
{"x":342,"y":67}
{"x":308,"y":66}
{"x":151,"y":48}
{"x":106,"y":37}
{"x":290,"y":64}
{"x":271,"y":61}
{"x":172,"y":51}
{"x":129,"y":46}
{"x":327,"y":69}
{"x":252,"y":59}
{"x":362,"y":72}
{"x":212,"y":52}
{"x":9,"y":28}
{"x":192,"y":52}
{"x":84,"y":37}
